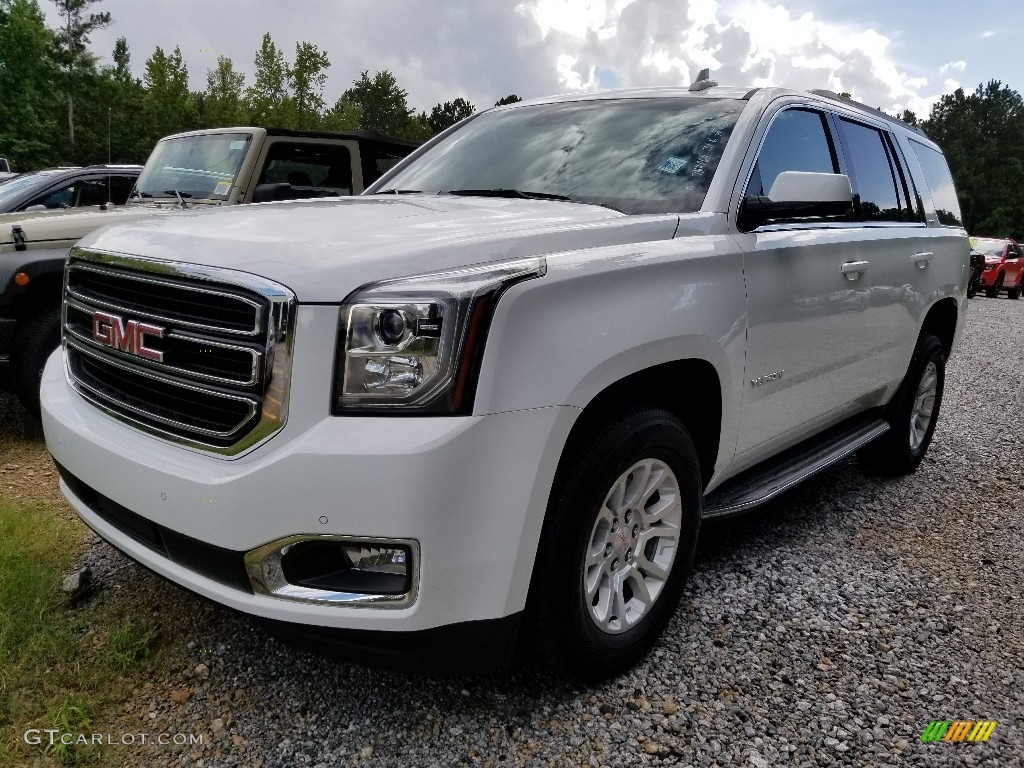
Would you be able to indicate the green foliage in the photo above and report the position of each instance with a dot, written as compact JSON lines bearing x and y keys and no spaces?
{"x":28,"y":76}
{"x":168,"y":105}
{"x":510,"y":99}
{"x":444,"y":116}
{"x":343,"y":116}
{"x":307,"y":77}
{"x":268,"y":99}
{"x":418,"y":128}
{"x":72,"y":51}
{"x":982,"y":135}
{"x":383,"y":104}
{"x":224,"y":104}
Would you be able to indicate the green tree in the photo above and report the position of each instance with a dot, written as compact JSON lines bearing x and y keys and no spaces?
{"x":510,"y":99}
{"x":267,"y":99}
{"x":130,"y":141}
{"x":73,"y":54}
{"x":307,"y":77}
{"x":224,"y":104}
{"x":446,"y":115}
{"x":28,"y":75}
{"x":982,"y":136}
{"x":169,"y":106}
{"x":343,"y":116}
{"x":383,"y":104}
{"x":418,"y":128}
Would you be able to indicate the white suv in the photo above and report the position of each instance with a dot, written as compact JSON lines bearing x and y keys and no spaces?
{"x":495,"y":396}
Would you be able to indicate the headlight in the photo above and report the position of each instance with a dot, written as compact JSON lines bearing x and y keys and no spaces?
{"x":415,"y":343}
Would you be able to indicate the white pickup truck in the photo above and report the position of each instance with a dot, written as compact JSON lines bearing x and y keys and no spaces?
{"x":199,"y":169}
{"x":494,"y":397}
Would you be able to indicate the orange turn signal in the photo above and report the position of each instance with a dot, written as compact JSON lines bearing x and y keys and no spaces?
{"x":21,"y":278}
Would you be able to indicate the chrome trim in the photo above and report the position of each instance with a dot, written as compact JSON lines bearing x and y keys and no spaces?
{"x":263,"y":565}
{"x":167,"y":283}
{"x":275,"y":366}
{"x":140,"y":371}
{"x":254,"y":365}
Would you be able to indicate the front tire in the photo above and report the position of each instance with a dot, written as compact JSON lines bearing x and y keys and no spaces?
{"x":912,"y":413}
{"x":617,"y":544}
{"x":997,"y":286}
{"x":38,"y":335}
{"x":1014,"y":293}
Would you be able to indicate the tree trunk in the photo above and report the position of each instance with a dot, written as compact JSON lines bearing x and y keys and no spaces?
{"x":71,"y":119}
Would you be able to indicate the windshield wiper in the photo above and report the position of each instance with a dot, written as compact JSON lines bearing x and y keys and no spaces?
{"x":517,"y":193}
{"x":394,"y":191}
{"x":180,"y":195}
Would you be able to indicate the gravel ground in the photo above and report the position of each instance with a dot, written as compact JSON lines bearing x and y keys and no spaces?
{"x":825,"y":629}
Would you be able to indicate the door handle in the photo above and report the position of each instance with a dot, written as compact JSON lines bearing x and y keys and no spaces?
{"x":922,"y":259}
{"x":854,"y":269}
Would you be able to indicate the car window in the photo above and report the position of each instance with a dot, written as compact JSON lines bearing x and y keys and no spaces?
{"x":798,"y":140}
{"x":876,"y":192}
{"x":74,"y":195}
{"x":940,"y":183}
{"x":322,"y":170}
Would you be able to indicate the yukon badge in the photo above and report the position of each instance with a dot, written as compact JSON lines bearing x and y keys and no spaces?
{"x":126,"y":335}
{"x":774,"y":376}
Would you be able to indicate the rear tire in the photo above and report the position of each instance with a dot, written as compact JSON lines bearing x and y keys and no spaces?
{"x":617,"y":544}
{"x":912,"y":413}
{"x":38,"y":335}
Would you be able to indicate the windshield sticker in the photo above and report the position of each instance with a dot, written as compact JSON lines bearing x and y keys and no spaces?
{"x":240,"y":144}
{"x":673,"y":165}
{"x":222,"y":188}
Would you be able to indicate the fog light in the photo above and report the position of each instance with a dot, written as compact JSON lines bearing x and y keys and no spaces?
{"x":336,"y":569}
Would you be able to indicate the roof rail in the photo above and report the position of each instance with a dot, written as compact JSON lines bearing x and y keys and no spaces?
{"x":877,"y":112}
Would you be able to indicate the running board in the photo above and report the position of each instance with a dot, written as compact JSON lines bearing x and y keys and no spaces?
{"x":762,"y":483}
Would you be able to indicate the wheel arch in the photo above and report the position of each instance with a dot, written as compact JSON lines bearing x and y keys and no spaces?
{"x":698,"y":405}
{"x":941,"y":322}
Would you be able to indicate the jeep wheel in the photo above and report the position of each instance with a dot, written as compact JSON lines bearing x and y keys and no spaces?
{"x":617,"y":544}
{"x":997,"y":286}
{"x":38,"y":335}
{"x":911,"y":413}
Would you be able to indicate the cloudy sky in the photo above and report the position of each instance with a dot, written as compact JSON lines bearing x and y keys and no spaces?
{"x":887,"y":53}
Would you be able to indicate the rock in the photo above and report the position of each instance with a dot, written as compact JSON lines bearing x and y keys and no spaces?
{"x":650,"y":747}
{"x":217,"y":725}
{"x":366,"y":753}
{"x":180,"y":696}
{"x":201,"y":671}
{"x":669,"y":707}
{"x":78,"y":582}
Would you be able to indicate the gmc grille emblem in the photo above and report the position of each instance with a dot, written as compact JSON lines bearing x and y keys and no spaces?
{"x":126,"y":335}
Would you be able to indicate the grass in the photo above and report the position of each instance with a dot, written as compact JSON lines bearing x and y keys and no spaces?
{"x":58,"y":669}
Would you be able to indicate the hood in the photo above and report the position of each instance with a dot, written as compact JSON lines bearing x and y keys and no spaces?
{"x":324,"y":249}
{"x":66,"y":227}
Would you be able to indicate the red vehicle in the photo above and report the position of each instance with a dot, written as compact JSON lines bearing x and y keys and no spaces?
{"x":1004,"y":266}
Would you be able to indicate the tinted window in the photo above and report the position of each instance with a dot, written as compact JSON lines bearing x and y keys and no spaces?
{"x":321,"y":170}
{"x":797,"y":141}
{"x":876,"y":195}
{"x":940,"y":183}
{"x":635,"y":155}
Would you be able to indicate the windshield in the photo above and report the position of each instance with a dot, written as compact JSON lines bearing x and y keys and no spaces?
{"x":196,"y":167}
{"x":13,"y":189}
{"x":989,"y":247}
{"x":634,"y":155}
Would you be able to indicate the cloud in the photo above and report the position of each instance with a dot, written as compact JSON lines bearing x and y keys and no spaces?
{"x":986,"y":34}
{"x":953,"y":66}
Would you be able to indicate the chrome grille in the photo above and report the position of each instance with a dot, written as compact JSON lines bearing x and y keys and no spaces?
{"x":195,"y":354}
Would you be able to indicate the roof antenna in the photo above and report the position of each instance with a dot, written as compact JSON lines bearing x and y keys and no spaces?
{"x":703,"y":81}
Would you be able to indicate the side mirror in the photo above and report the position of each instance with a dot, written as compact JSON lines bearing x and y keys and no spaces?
{"x":268,"y":193}
{"x":799,"y":195}
{"x":35,"y":208}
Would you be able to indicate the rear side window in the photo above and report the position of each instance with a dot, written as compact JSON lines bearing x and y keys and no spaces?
{"x":878,"y":191}
{"x":936,"y":173}
{"x":319,"y":170}
{"x":797,"y":140}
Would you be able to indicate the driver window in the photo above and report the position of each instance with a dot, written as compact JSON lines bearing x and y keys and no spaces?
{"x":312,"y":170}
{"x":797,"y":140}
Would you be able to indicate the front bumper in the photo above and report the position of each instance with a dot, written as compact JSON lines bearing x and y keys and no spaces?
{"x":471,"y":491}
